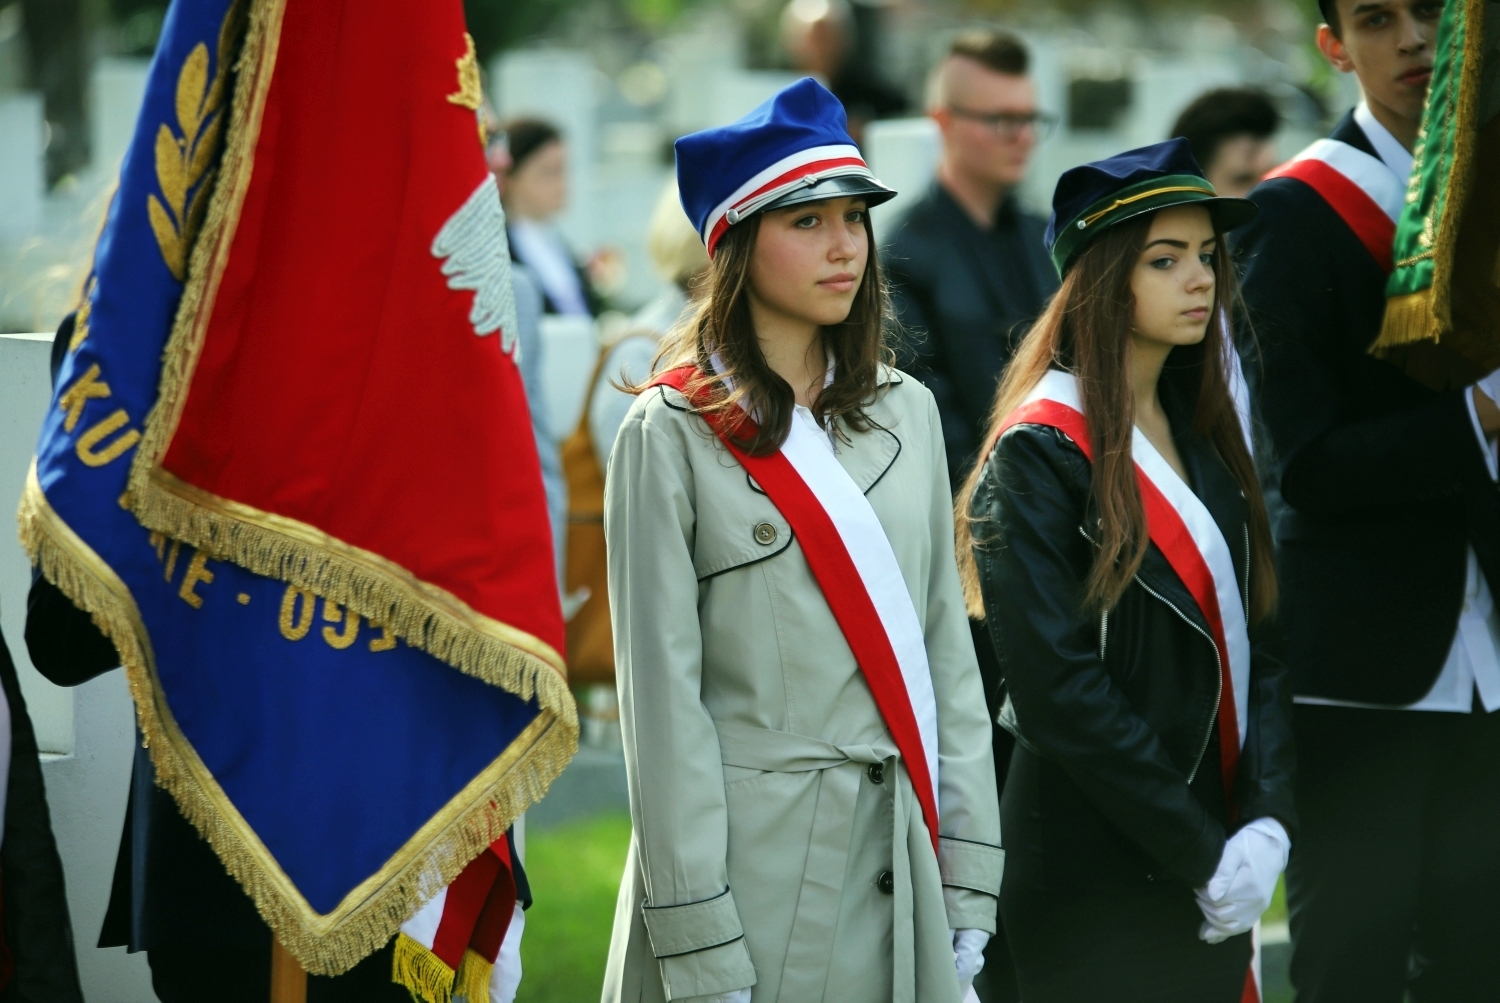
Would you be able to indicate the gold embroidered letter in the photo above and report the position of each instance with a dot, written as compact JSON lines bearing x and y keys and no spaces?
{"x":99,"y":433}
{"x":86,"y":387}
{"x":333,"y":613}
{"x":298,"y":630}
{"x":197,"y":571}
{"x":386,"y":641}
{"x":172,"y":560}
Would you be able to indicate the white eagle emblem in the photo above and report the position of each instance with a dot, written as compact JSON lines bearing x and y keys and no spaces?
{"x":476,"y":256}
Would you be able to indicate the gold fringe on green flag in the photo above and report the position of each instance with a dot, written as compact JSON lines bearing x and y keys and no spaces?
{"x":1442,"y":316}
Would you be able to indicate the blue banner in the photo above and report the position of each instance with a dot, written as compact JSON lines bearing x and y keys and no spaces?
{"x":342,"y":776}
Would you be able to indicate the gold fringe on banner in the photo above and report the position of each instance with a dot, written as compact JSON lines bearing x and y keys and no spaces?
{"x":422,"y":614}
{"x":422,"y":973}
{"x":371,"y":914}
{"x":1408,"y":319}
{"x":1401,"y":326}
{"x":473,"y":982}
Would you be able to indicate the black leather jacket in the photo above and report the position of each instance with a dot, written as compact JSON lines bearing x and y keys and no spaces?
{"x":1125,"y":702}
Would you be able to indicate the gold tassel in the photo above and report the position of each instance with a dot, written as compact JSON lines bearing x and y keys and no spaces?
{"x":1407,"y":319}
{"x":473,"y":982}
{"x":422,"y":973}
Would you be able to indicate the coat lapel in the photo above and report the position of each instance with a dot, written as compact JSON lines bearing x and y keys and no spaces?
{"x":866,"y":456}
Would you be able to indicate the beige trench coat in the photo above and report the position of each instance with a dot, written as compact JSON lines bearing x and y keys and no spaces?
{"x":777,"y":840}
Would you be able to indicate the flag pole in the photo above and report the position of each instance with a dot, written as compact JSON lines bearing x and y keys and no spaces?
{"x":288,"y":980}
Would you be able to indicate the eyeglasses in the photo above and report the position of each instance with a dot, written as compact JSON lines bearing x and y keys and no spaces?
{"x":1009,"y":124}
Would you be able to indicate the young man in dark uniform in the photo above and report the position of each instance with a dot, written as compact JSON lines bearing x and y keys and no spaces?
{"x":1389,"y":550}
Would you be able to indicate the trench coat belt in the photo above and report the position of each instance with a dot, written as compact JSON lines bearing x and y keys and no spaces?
{"x":814,"y":925}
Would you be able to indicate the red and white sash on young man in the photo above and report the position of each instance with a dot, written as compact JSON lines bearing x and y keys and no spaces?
{"x":1185,"y":532}
{"x":1363,"y":191}
{"x":851,"y":557}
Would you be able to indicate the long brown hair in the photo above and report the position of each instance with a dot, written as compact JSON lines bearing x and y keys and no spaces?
{"x":1085,"y":330}
{"x":721,"y":328}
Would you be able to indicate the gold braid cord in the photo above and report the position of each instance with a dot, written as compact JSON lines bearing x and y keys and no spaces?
{"x":424,"y":615}
{"x":371,"y":914}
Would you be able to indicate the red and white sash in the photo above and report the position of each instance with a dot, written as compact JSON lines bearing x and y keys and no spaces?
{"x":851,"y":557}
{"x":1185,"y":532}
{"x":1363,"y":191}
{"x":466,"y":940}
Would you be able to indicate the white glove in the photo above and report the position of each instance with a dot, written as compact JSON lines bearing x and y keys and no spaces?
{"x":1241,"y":888}
{"x":738,"y":996}
{"x":968,"y":956}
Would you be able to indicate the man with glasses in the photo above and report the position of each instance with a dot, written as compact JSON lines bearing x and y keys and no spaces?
{"x":968,"y":268}
{"x":969,"y":273}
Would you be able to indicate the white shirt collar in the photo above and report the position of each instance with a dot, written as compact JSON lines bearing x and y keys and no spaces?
{"x":1387,"y":147}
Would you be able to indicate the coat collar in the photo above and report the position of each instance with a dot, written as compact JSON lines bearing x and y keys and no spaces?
{"x":866,"y":456}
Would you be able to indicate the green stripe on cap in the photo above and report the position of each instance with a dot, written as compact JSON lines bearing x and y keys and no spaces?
{"x":1128,"y":202}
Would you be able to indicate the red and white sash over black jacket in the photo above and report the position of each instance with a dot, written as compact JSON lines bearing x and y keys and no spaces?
{"x":1167,"y":713}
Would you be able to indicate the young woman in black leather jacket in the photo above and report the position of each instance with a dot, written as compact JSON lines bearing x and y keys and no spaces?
{"x":1116,"y":541}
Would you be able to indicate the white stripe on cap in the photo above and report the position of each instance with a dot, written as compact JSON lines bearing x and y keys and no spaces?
{"x":802,"y":158}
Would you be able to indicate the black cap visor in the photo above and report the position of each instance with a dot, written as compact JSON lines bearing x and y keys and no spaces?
{"x":848,"y":186}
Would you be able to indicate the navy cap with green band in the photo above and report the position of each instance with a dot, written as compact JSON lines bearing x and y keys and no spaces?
{"x":1092,"y":198}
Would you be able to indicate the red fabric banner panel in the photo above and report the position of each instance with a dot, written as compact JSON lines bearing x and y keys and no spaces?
{"x":341,"y":383}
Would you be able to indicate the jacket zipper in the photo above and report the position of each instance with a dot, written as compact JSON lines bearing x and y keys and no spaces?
{"x":1103,"y":614}
{"x":1246,"y":595}
{"x":1218,"y":674}
{"x":1208,"y":731}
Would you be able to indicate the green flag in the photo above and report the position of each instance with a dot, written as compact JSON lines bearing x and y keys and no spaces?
{"x":1442,"y":317}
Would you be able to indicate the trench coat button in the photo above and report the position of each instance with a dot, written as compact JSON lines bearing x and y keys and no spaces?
{"x":877,"y":773}
{"x":886,"y":882}
{"x":765,"y":534}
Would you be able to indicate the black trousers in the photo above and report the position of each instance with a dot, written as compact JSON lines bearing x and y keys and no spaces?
{"x":243,"y":975}
{"x":1394,"y":877}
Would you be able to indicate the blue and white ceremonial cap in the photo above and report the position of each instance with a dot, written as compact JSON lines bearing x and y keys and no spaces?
{"x":793,"y":148}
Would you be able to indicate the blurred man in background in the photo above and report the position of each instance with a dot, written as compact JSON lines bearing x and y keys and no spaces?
{"x":969,"y":273}
{"x":821,"y":37}
{"x":967,"y":265}
{"x":1231,"y":131}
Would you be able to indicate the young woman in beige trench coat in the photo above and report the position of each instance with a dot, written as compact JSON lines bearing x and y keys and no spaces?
{"x":778,"y":851}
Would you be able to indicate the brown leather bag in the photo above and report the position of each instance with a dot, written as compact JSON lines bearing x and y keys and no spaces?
{"x":591,"y":646}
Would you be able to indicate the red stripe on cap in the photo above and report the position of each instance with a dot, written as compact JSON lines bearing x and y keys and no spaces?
{"x":795,"y":174}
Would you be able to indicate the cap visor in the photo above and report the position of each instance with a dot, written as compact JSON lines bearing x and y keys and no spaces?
{"x":873,"y":192}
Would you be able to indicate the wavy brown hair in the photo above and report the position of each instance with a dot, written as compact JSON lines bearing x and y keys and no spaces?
{"x":1085,"y":330}
{"x":721,"y":326}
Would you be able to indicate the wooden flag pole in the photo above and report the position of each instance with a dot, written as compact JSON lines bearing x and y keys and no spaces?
{"x":288,"y":980}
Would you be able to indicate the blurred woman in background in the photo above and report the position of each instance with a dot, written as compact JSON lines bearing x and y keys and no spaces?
{"x":534,"y":191}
